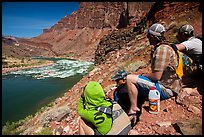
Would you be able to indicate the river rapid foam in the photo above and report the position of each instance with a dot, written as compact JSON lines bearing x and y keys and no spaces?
{"x":60,"y":69}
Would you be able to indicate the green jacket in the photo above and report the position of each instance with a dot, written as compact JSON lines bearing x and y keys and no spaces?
{"x":95,"y":97}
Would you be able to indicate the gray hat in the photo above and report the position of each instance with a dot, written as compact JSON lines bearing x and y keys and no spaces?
{"x":187,"y":29}
{"x":156,"y":29}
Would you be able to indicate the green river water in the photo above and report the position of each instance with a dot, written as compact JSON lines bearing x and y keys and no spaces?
{"x":24,"y":92}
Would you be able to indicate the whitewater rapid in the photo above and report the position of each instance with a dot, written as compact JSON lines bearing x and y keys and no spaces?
{"x":60,"y":69}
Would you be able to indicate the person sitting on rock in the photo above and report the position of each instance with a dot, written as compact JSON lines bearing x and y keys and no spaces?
{"x":92,"y":121}
{"x":164,"y":62}
{"x":190,"y":45}
{"x":120,"y":93}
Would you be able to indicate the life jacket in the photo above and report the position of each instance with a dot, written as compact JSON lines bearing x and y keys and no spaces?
{"x":121,"y":124}
{"x":179,"y":69}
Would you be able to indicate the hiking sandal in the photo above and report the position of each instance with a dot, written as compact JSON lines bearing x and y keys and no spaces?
{"x":134,"y":119}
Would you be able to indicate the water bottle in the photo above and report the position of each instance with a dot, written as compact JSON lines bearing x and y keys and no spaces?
{"x":154,"y":101}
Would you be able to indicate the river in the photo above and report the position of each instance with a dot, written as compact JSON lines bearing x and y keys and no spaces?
{"x":24,"y":92}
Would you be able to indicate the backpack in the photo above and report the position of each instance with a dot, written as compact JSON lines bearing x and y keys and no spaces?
{"x":179,"y":69}
{"x":121,"y":124}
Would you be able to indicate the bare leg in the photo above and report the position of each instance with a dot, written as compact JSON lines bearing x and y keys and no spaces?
{"x":133,"y":93}
{"x":85,"y":128}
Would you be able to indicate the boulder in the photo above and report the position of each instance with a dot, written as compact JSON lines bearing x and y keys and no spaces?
{"x":190,"y":126}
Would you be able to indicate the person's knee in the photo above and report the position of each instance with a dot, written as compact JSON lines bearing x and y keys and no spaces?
{"x":81,"y":122}
{"x":131,"y":78}
{"x":85,"y":127}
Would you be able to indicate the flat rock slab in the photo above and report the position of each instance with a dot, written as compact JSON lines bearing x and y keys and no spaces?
{"x":190,"y":127}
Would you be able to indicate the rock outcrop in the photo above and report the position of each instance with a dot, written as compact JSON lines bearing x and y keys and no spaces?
{"x":22,"y":48}
{"x":77,"y":35}
{"x":129,"y":49}
{"x":159,"y":12}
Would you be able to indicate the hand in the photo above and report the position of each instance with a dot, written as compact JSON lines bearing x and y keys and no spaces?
{"x":109,"y":94}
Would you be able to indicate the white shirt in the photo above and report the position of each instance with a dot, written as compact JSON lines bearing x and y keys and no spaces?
{"x":193,"y":45}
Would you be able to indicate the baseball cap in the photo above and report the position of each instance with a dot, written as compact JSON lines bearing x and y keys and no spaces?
{"x":187,"y":29}
{"x":156,"y":29}
{"x":121,"y":74}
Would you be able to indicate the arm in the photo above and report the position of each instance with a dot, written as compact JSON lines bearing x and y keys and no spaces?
{"x":110,"y":93}
{"x":181,"y":47}
{"x":84,"y":112}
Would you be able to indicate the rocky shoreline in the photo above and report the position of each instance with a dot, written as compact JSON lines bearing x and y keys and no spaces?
{"x":6,"y":70}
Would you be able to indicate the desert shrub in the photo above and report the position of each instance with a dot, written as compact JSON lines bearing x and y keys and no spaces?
{"x":90,"y":68}
{"x":10,"y":128}
{"x":45,"y":131}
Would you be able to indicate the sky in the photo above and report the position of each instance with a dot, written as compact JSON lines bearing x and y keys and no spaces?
{"x":28,"y":19}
